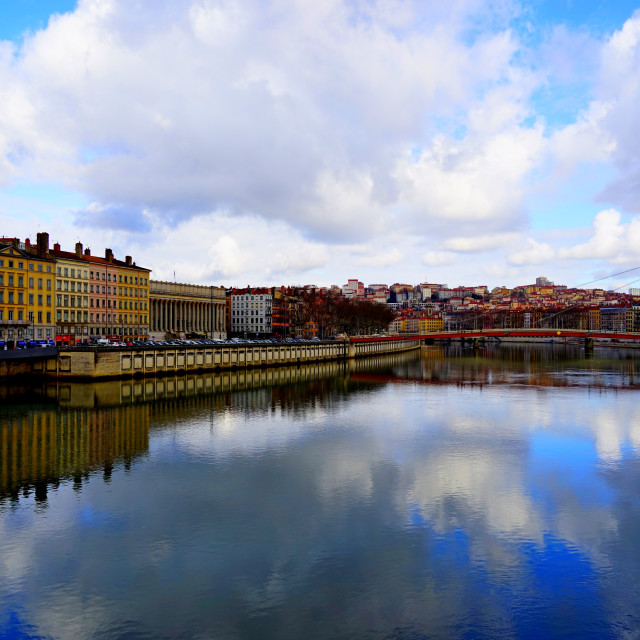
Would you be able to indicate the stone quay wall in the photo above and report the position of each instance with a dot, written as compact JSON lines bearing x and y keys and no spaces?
{"x":121,"y":362}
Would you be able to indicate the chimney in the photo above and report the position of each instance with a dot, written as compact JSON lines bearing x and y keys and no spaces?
{"x":15,"y":241}
{"x":87,"y":252}
{"x":56,"y":246}
{"x":78,"y":249}
{"x":43,"y":244}
{"x":27,"y":242}
{"x":128,"y":260}
{"x":108,"y":255}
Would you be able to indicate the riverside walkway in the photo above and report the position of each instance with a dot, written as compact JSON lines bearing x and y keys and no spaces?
{"x":93,"y":362}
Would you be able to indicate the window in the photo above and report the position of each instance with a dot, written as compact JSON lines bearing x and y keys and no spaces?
{"x":20,"y":265}
{"x":66,"y":272}
{"x":40,"y":268}
{"x":39,"y":317}
{"x":31,"y":266}
{"x":91,"y":275}
{"x":48,"y":320}
{"x":73,"y":273}
{"x":31,"y":298}
{"x":48,"y":284}
{"x":40,"y":284}
{"x":21,"y":281}
{"x":20,"y":297}
{"x":48,"y":301}
{"x":39,"y":299}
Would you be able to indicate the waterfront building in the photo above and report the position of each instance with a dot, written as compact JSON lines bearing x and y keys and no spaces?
{"x":284,"y":307}
{"x":251,"y":312}
{"x":91,"y":296}
{"x":26,"y":293}
{"x":49,"y":293}
{"x":133,"y":297}
{"x":613,"y":319}
{"x":180,"y":310}
{"x":72,"y":295}
{"x":632,"y":319}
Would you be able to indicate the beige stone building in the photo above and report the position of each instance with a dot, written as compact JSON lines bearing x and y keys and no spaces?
{"x":181,"y":310}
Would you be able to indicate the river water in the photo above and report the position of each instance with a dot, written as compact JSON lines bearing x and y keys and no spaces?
{"x":450,"y":493}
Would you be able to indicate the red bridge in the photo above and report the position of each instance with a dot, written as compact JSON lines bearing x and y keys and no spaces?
{"x":470,"y":334}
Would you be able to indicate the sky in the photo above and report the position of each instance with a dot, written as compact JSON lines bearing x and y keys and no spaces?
{"x":270,"y":142}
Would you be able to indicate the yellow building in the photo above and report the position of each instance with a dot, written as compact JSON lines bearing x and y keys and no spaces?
{"x":430,"y":323}
{"x":398,"y":325}
{"x":133,"y":299}
{"x":26,"y":293}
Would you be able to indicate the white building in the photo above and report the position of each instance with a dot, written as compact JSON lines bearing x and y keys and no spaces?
{"x":251,"y":312}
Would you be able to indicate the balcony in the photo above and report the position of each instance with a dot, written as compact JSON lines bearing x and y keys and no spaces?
{"x":14,"y":323}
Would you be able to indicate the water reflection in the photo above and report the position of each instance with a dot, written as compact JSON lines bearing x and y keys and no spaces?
{"x":368,"y":502}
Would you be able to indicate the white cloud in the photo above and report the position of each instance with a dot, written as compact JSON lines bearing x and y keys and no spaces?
{"x":532,"y":253}
{"x":480,"y":243}
{"x":611,"y":240}
{"x":376,"y":120}
{"x":191,"y":107}
{"x":382,"y":259}
{"x":619,"y":89}
{"x":438,"y":258}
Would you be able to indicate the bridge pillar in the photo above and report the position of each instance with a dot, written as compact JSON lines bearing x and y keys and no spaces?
{"x":476,"y":343}
{"x":588,"y":342}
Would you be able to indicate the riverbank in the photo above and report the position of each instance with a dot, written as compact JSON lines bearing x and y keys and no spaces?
{"x":91,"y":363}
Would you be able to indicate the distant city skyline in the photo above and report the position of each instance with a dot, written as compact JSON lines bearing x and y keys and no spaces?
{"x":292,"y":142}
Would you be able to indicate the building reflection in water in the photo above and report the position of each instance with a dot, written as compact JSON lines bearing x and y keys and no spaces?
{"x":39,"y":448}
{"x":59,"y":432}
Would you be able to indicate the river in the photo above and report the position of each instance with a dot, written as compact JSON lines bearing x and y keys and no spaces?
{"x":451,"y":493}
